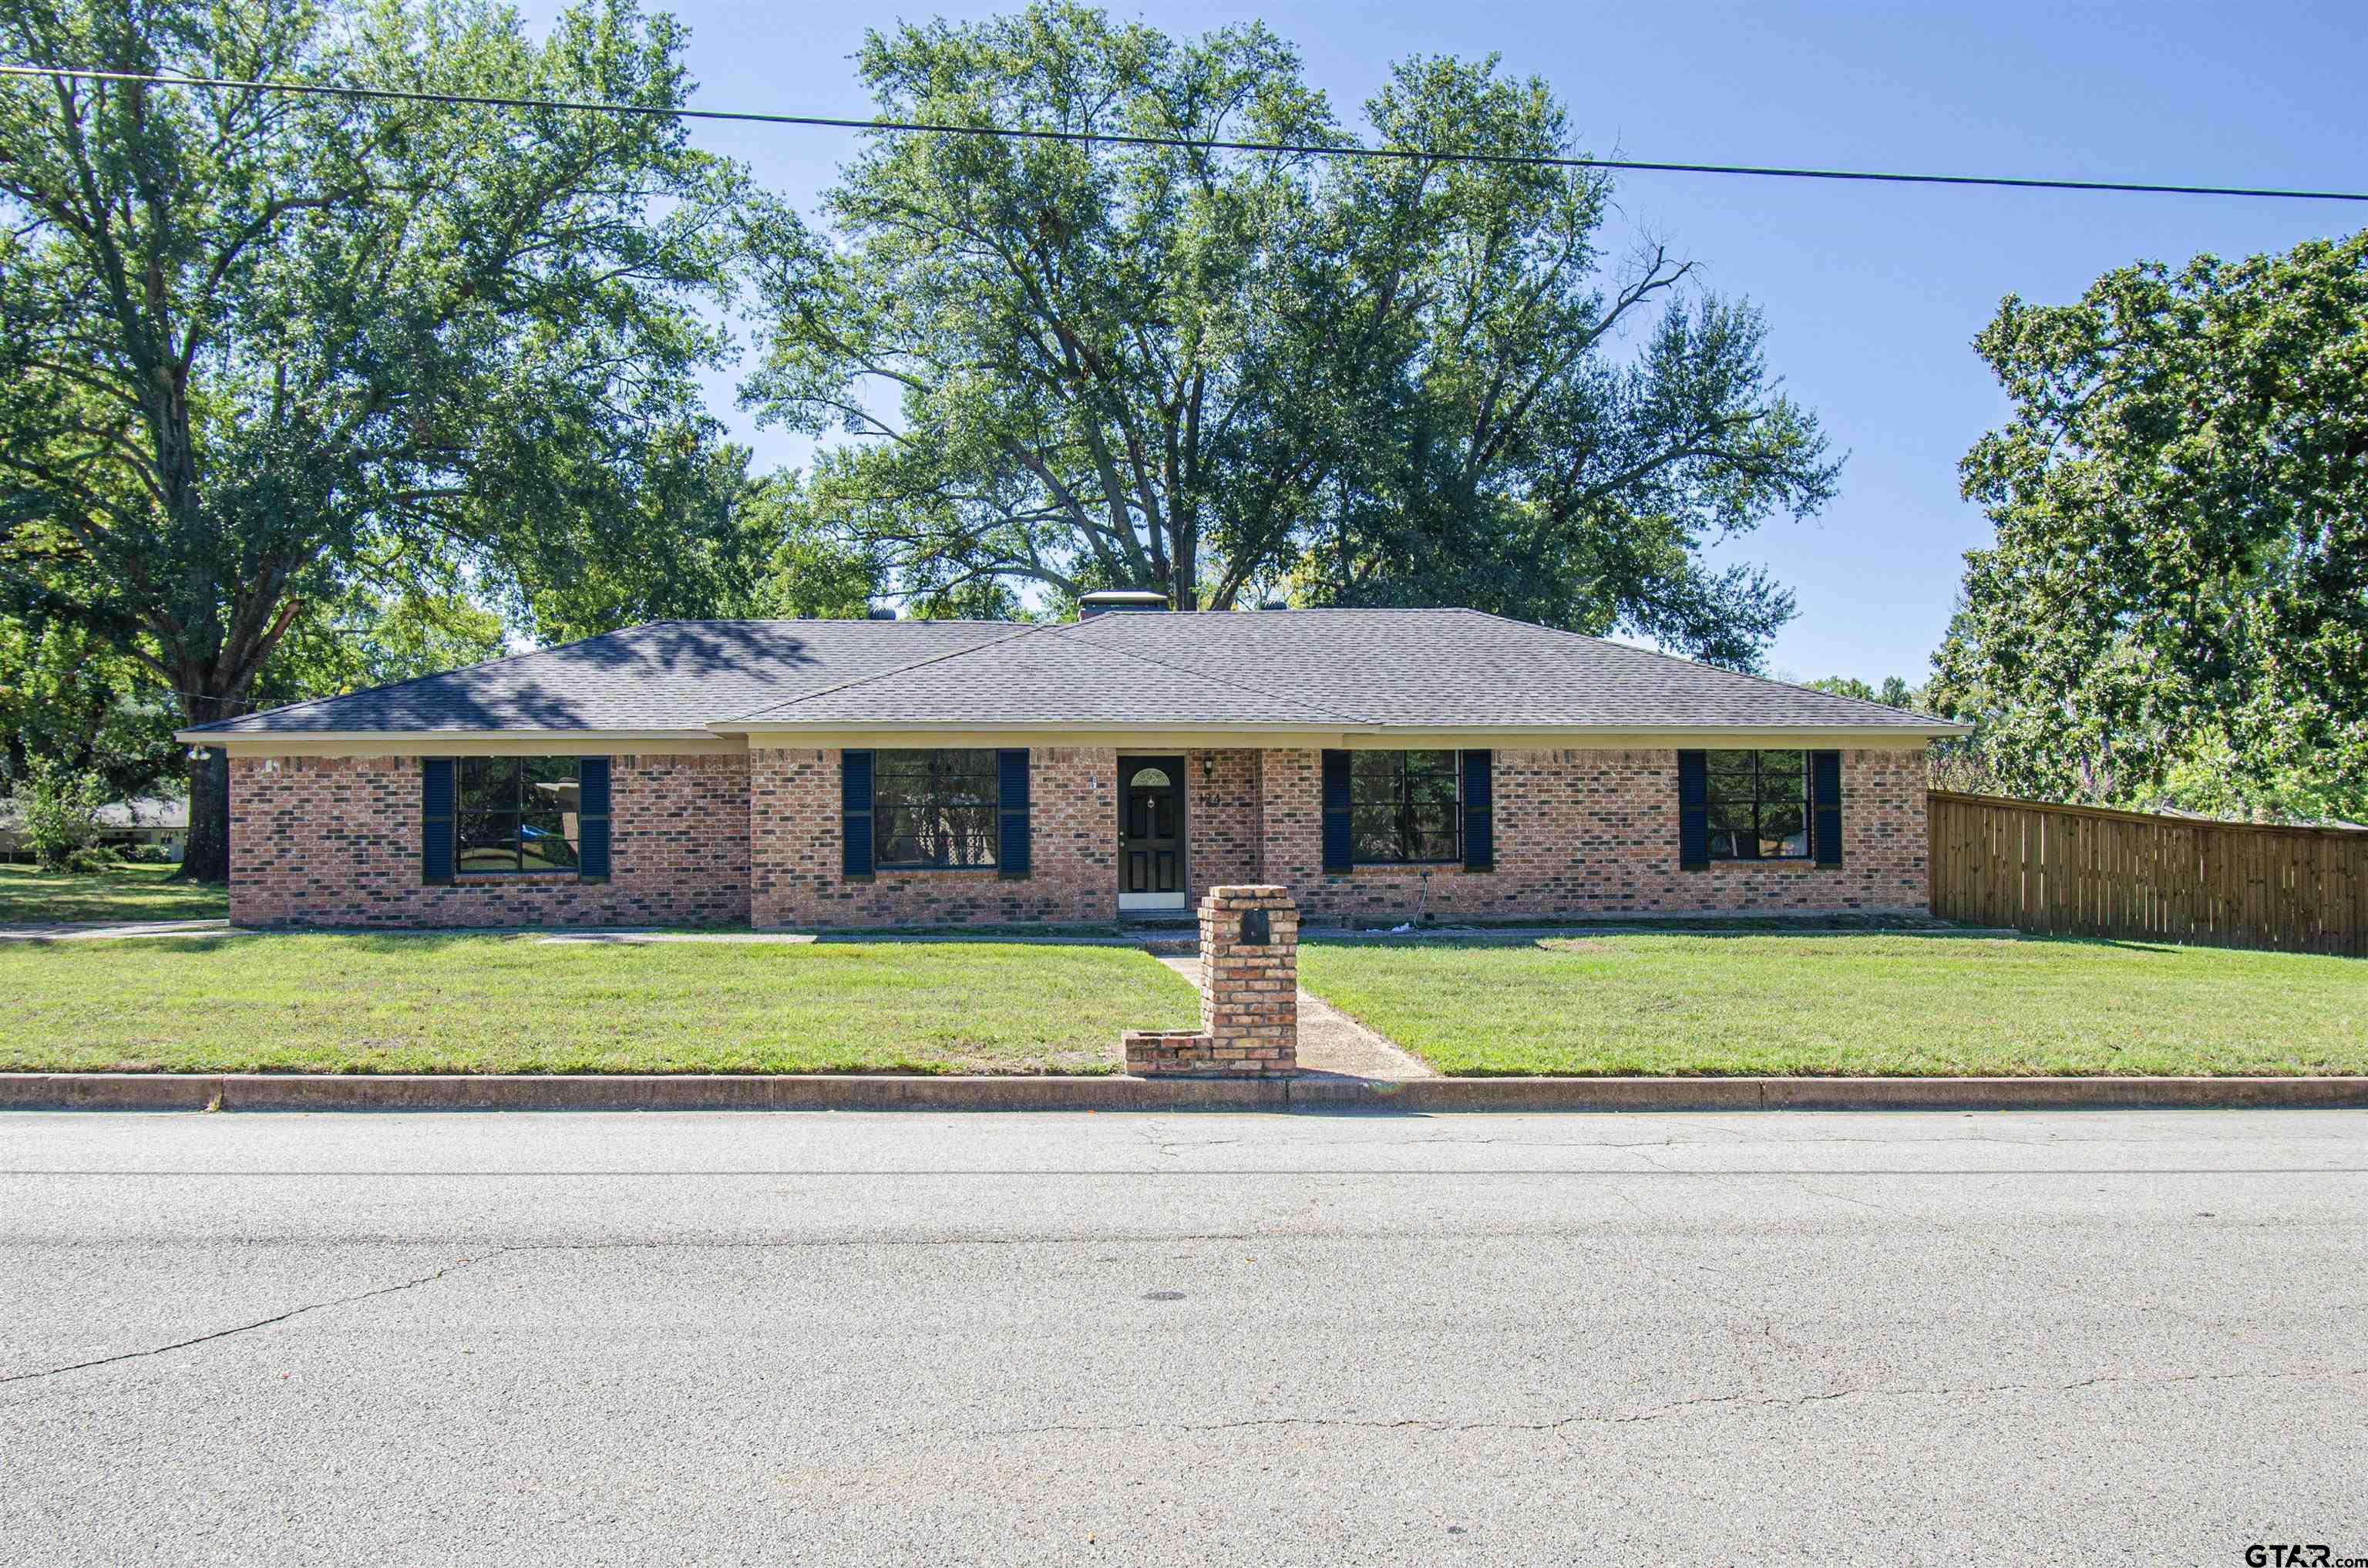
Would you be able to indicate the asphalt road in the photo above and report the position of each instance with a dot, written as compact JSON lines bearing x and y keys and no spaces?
{"x":1123,"y":1340}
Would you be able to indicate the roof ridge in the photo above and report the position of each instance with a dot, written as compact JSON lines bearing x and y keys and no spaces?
{"x":437,"y":674}
{"x":883,"y":675}
{"x":1220,"y":680}
{"x":1696,"y":664}
{"x":828,"y":621}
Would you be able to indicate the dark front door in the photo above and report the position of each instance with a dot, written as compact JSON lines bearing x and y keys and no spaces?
{"x":1151,"y":833}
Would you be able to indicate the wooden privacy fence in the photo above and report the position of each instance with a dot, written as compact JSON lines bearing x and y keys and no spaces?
{"x":2084,"y":870}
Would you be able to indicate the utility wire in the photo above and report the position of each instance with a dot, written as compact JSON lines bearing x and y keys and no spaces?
{"x":1318,"y":150}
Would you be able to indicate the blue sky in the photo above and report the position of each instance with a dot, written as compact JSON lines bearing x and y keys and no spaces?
{"x":1873,"y":293}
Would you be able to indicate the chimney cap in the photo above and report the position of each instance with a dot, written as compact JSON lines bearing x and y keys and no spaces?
{"x":1104,"y":600}
{"x":880,"y":612}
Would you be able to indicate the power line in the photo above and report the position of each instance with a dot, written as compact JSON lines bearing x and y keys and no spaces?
{"x":1114,"y":138}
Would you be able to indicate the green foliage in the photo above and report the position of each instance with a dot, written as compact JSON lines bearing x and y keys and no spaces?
{"x":68,"y":697}
{"x":369,"y":638}
{"x":807,"y":569}
{"x":1894,"y":692}
{"x":59,"y":814}
{"x":260,"y":349}
{"x":1227,"y":376}
{"x":2176,"y":609}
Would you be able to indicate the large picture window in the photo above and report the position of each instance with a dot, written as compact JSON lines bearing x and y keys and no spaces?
{"x":934,"y":809}
{"x":516,"y":814}
{"x":1402,"y":807}
{"x":1759,"y":805}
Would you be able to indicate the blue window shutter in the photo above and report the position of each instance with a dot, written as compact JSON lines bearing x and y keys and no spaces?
{"x":1479,"y":811}
{"x":592,"y":817}
{"x":436,"y":819}
{"x":1011,"y":785}
{"x":1339,"y":837}
{"x":855,"y":812}
{"x":1825,"y":806}
{"x":1694,"y":812}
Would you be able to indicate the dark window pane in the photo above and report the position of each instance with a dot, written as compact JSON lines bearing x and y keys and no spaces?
{"x":1727,"y":818}
{"x":488,"y":783}
{"x":1732,"y":767}
{"x":1784,"y":831}
{"x":1435,"y":843}
{"x":1375,"y":778}
{"x":1375,"y":830}
{"x":1433,"y":789}
{"x":545,"y":842}
{"x":895,"y":842}
{"x":488,"y":841}
{"x":550,"y":784}
{"x":934,"y":808}
{"x":1414,"y":819}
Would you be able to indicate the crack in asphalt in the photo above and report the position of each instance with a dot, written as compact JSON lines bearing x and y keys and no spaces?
{"x":1662,"y":1412}
{"x":259,"y":1322}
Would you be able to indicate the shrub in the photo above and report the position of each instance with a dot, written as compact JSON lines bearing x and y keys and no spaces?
{"x":61,"y":814}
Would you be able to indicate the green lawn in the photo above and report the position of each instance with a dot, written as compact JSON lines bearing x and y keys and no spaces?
{"x":120,"y":893}
{"x":1845,"y":1003}
{"x":463,"y":1004}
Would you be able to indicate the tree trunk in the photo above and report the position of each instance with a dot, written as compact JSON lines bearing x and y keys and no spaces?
{"x":205,"y":856}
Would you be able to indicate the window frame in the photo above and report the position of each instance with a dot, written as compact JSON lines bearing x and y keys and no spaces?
{"x":517,"y":813}
{"x":1760,"y":803}
{"x":987,"y":808}
{"x":1404,"y":804}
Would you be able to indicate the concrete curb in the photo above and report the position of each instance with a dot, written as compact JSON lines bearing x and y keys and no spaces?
{"x":322,"y":1091}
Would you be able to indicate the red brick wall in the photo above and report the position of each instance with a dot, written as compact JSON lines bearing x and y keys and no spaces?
{"x":728,"y":839}
{"x":795,"y":880}
{"x":1220,"y":819}
{"x":1595,"y":833}
{"x":335,"y":841}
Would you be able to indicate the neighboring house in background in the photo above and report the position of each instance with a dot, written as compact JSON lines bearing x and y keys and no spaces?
{"x":159,"y":823}
{"x":811,"y":773}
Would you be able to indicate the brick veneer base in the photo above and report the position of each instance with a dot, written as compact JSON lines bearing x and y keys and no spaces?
{"x":1582,"y":832}
{"x":754,"y":838}
{"x":335,"y":841}
{"x":1249,"y":995}
{"x":795,"y":876}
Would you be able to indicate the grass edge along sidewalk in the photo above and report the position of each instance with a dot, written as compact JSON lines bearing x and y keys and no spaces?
{"x":1424,"y":1097}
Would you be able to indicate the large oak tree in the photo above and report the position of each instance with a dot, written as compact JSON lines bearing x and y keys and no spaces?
{"x":2176,"y":605}
{"x":1069,"y":365}
{"x":259,"y":351}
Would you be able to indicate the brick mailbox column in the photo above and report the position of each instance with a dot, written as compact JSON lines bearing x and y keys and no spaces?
{"x":1250,"y":993}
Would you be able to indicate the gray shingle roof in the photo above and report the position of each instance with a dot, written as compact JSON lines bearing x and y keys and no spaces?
{"x":1460,"y":666}
{"x":1052,"y":676}
{"x":669,"y":674}
{"x":1316,"y":669}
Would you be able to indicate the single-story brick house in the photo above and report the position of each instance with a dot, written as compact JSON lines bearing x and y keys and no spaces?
{"x":817,"y":773}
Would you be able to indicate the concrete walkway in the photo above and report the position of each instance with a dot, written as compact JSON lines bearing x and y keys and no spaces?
{"x":103,"y":930}
{"x":1331,"y":1043}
